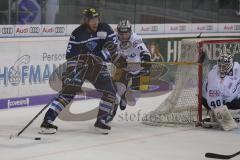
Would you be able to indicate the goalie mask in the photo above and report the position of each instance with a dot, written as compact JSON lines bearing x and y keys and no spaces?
{"x":225,"y":64}
{"x":124,"y":30}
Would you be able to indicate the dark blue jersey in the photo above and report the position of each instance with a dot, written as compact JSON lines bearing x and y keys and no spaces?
{"x":82,"y":41}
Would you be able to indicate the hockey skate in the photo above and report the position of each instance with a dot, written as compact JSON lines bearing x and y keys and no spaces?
{"x":47,"y":128}
{"x":102,"y":127}
{"x":123,"y":103}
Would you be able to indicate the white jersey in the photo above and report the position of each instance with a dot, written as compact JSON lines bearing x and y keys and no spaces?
{"x":133,"y":50}
{"x":219,"y":91}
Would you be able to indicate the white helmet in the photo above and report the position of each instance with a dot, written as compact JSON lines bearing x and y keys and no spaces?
{"x":225,"y":64}
{"x":124,"y":30}
{"x":124,"y":26}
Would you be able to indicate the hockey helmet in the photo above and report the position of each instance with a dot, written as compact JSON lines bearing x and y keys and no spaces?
{"x":90,"y":13}
{"x":225,"y":64}
{"x":124,"y":26}
{"x":124,"y":30}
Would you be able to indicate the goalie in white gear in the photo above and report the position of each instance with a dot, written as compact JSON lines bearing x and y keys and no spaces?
{"x":136,"y":75}
{"x":221,"y":90}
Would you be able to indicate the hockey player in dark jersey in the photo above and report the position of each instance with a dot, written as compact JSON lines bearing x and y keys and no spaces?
{"x":91,"y":45}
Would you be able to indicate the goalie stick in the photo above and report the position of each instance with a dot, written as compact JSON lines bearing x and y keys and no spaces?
{"x":221,"y":156}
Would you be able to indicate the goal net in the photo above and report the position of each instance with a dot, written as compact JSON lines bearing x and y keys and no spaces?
{"x":184,"y":103}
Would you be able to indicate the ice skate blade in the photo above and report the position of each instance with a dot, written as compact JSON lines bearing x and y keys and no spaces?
{"x":102,"y":131}
{"x":47,"y":131}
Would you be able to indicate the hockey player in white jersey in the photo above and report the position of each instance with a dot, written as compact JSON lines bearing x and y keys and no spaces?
{"x":131,"y":45}
{"x":221,"y":91}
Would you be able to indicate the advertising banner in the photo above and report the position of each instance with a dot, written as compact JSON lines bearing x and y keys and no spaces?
{"x":169,"y":49}
{"x":229,"y":27}
{"x":25,"y":68}
{"x":27,"y":30}
{"x":53,"y":30}
{"x":6,"y":31}
{"x":204,"y":27}
{"x":178,"y":28}
{"x":142,"y":29}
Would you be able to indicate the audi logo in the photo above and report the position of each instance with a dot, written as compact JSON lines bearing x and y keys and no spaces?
{"x":34,"y":30}
{"x":7,"y":30}
{"x":59,"y":29}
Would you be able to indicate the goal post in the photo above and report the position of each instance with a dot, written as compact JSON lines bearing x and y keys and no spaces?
{"x":184,"y":103}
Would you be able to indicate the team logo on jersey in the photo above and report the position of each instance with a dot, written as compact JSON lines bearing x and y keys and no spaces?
{"x":91,"y":45}
{"x":214,"y":93}
{"x":132,"y":55}
{"x":137,"y":42}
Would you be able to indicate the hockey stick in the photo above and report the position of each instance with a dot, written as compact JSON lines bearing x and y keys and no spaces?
{"x":221,"y":156}
{"x":29,"y":123}
{"x":35,"y":117}
{"x":46,"y":106}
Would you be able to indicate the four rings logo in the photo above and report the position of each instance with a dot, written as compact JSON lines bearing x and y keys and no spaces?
{"x":59,"y":29}
{"x":7,"y":30}
{"x":34,"y":30}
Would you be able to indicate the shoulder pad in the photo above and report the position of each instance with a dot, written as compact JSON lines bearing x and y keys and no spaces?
{"x":76,"y":32}
{"x":136,"y":40}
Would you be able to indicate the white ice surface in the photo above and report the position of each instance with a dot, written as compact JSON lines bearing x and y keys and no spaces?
{"x":129,"y":138}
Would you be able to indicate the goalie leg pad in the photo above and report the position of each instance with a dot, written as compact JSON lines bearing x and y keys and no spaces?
{"x":211,"y":121}
{"x":224,"y":118}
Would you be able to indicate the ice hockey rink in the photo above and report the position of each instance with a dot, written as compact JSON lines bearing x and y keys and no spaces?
{"x":129,"y":139}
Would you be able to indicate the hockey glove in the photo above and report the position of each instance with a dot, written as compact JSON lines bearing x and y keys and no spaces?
{"x":145,"y":59}
{"x":144,"y":72}
{"x":111,"y":47}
